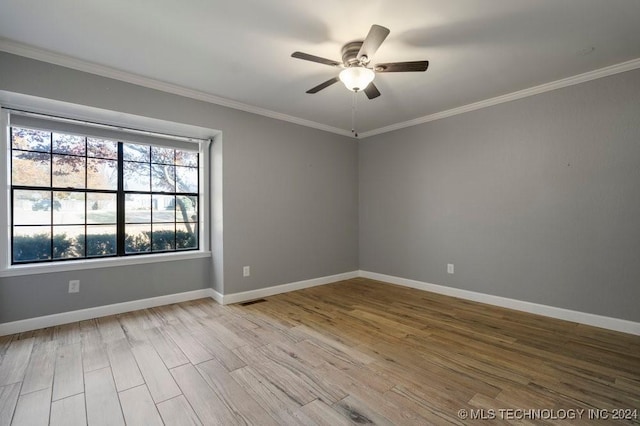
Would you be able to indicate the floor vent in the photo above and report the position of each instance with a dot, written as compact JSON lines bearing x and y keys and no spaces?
{"x":251,"y":302}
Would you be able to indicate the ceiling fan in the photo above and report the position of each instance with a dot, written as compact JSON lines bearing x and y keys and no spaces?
{"x":357,"y":75}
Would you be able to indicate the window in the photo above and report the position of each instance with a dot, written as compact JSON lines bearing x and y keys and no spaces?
{"x":82,"y":192}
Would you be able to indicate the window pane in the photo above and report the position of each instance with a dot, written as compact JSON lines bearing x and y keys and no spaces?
{"x":136,"y":177}
{"x":30,"y":140}
{"x":187,"y":208}
{"x":68,"y":208}
{"x":68,"y":144}
{"x":31,"y":168}
{"x":31,"y":207}
{"x":163,"y":237}
{"x":161,"y":155}
{"x":101,"y":240}
{"x":133,"y":152}
{"x":164,"y":208}
{"x":102,"y":148}
{"x":163,"y":178}
{"x":102,"y":174}
{"x":137,"y":238}
{"x":101,"y":208}
{"x":186,"y":236}
{"x":137,"y":208}
{"x":186,"y":158}
{"x":186,"y":179}
{"x":31,"y":243}
{"x":69,"y":171}
{"x":68,"y":242}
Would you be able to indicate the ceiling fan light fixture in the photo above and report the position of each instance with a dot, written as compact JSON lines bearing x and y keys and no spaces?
{"x":356,"y":78}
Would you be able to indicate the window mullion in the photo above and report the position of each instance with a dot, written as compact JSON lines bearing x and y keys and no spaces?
{"x":120,"y":199}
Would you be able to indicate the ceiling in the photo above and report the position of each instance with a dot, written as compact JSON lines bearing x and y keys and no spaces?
{"x":240,"y":50}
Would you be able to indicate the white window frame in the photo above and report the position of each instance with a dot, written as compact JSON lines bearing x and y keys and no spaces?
{"x":204,"y":137}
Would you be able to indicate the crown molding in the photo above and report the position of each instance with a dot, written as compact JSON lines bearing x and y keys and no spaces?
{"x":104,"y":71}
{"x":547,"y":87}
{"x":21,"y":49}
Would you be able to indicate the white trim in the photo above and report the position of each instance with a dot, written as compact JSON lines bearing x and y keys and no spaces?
{"x":218,"y":297}
{"x":77,"y":265}
{"x":90,"y":67}
{"x":547,"y":87}
{"x":284,"y":288}
{"x":118,"y":308}
{"x":5,"y":191}
{"x":609,"y":323}
{"x":99,"y":311}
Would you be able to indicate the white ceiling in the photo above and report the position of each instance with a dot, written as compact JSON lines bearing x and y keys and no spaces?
{"x":240,"y":50}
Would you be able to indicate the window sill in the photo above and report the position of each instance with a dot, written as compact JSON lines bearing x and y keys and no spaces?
{"x":75,"y":265}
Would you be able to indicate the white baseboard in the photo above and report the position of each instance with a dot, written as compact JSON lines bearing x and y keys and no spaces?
{"x":615,"y":324}
{"x":100,"y":311}
{"x":119,"y":308}
{"x":609,"y":323}
{"x":284,"y":288}
{"x":218,"y":297}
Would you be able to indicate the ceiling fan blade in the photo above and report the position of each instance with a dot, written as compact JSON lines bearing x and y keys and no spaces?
{"x":372,"y":91}
{"x":324,"y":85}
{"x":402,"y":66}
{"x":374,"y":39}
{"x":318,"y":59}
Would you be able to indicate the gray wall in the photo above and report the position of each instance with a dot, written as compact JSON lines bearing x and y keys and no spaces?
{"x":536,"y":199}
{"x":31,"y":296}
{"x":290,"y":195}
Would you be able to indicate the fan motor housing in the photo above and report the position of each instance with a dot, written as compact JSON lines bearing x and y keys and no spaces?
{"x":350,"y":53}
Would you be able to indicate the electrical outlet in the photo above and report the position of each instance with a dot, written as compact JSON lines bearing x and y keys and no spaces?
{"x":74,"y":286}
{"x":450,"y":268}
{"x":246,"y":271}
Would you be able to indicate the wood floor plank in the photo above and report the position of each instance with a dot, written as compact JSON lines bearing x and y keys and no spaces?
{"x":359,"y":412}
{"x":133,"y":326}
{"x":194,"y":351}
{"x":138,"y":407}
{"x":69,"y":411}
{"x":5,"y":341}
{"x":321,"y":339}
{"x":103,"y":405}
{"x":33,"y":409}
{"x":273,"y":399}
{"x":207,"y":405}
{"x":239,"y":402}
{"x":110,"y":328}
{"x":68,"y":378}
{"x":323,"y":414}
{"x":156,"y":375}
{"x":94,"y":350}
{"x":8,"y":399}
{"x":126,"y":373}
{"x":15,"y":361}
{"x":39,"y":373}
{"x":220,"y":352}
{"x":67,"y":334}
{"x":295,"y":380}
{"x":171,"y":354}
{"x":178,"y":412}
{"x":227,"y":337}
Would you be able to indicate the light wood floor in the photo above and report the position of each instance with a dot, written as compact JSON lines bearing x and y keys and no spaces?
{"x":358,"y":351}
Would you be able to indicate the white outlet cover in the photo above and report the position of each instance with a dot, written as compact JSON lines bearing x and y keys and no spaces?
{"x":246,"y":271}
{"x":450,"y":268}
